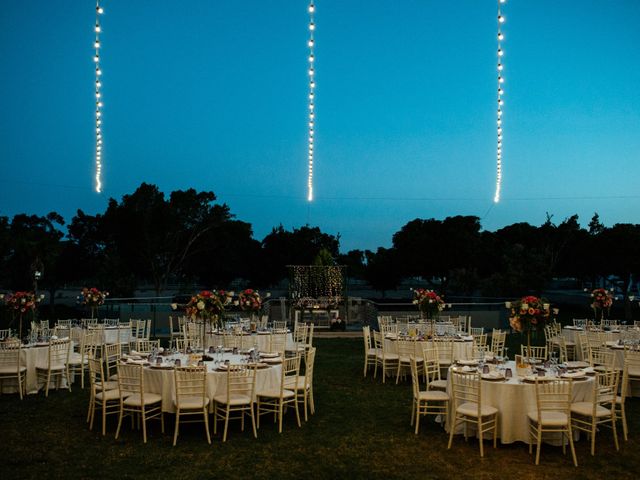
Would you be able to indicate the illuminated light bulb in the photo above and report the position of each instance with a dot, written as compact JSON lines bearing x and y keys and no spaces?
{"x":98,"y":95}
{"x":98,"y":84}
{"x":500,"y":102}
{"x":312,"y":84}
{"x":503,"y":1}
{"x":96,"y":44}
{"x":499,"y":122}
{"x":311,"y":59}
{"x":96,"y":58}
{"x":500,"y":67}
{"x":501,"y":79}
{"x":500,"y":91}
{"x":500,"y":52}
{"x":100,"y":10}
{"x":311,"y":106}
{"x":311,"y":72}
{"x":310,"y":43}
{"x":312,"y":26}
{"x":98,"y":71}
{"x":311,"y":95}
{"x":311,"y":115}
{"x":500,"y":36}
{"x":97,"y":29}
{"x":501,"y":18}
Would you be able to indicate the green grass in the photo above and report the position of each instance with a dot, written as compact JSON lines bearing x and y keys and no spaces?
{"x":360,"y":430}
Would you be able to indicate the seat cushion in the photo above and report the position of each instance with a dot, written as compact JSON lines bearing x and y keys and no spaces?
{"x":291,"y":384}
{"x":586,"y":409}
{"x":135,"y":399}
{"x":471,"y":409}
{"x":433,"y":396}
{"x":371,"y":352}
{"x":53,"y":367}
{"x":387,"y":356}
{"x":11,"y":369}
{"x":192,"y":403}
{"x":236,"y":399}
{"x":550,"y":419}
{"x":110,"y":385}
{"x":439,"y":384}
{"x":275,"y":393}
{"x":108,"y":395}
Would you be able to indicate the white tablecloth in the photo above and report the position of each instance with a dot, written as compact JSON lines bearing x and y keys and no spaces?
{"x":162,"y":381}
{"x":514,"y":400}
{"x":30,"y":357}
{"x":462,"y":350}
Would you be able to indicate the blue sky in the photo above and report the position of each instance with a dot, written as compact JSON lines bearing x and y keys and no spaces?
{"x":213,"y":95}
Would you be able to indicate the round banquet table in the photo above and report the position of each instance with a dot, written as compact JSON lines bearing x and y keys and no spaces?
{"x":514,"y":399}
{"x":462,"y":347}
{"x":30,"y":356}
{"x":162,"y":380}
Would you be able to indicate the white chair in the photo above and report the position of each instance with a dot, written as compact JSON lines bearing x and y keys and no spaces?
{"x":275,"y":400}
{"x":241,"y":384}
{"x":134,"y":401}
{"x":57,"y":366}
{"x":10,"y":367}
{"x":103,"y":395}
{"x":369,"y":351}
{"x":79,"y":361}
{"x":384,"y":358}
{"x":304,"y":385}
{"x":468,"y":408}
{"x":427,"y":402}
{"x":587,"y":416}
{"x":552,"y":415}
{"x":190,"y":397}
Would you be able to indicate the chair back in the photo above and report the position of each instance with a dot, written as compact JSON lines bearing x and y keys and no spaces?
{"x":431,"y":365}
{"x":190,"y":383}
{"x":480,"y":340}
{"x":279,"y":326}
{"x":580,"y":322}
{"x":553,"y":396}
{"x":444,"y":348}
{"x":602,"y":356}
{"x":131,"y":380}
{"x":241,"y":381}
{"x":309,"y":363}
{"x":498,"y":339}
{"x":536,"y":352}
{"x":111,"y":354}
{"x":415,"y":378}
{"x":366,"y":335}
{"x":605,"y":388}
{"x":465,"y":388}
{"x":97,"y":376}
{"x":290,"y":371}
{"x":10,"y":357}
{"x":59,"y":352}
{"x":146,"y":347}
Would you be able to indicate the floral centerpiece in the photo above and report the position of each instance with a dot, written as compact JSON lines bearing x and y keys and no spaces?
{"x":208,"y":305}
{"x":529,"y":314}
{"x":92,"y":298}
{"x":22,"y":303}
{"x":601,"y":300}
{"x":429,"y":302}
{"x":250,"y":300}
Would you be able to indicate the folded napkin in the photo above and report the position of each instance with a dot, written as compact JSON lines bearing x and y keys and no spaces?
{"x":494,"y":375}
{"x":135,"y":353}
{"x":468,"y":369}
{"x":136,"y":362}
{"x":576,"y":374}
{"x":589,"y":370}
{"x":467,"y":362}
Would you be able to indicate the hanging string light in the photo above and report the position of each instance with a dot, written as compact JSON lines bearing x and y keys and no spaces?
{"x":501,"y":20}
{"x":312,"y":87}
{"x":98,"y":112}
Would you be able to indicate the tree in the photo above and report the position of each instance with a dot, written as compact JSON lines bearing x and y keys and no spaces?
{"x":382,"y":270}
{"x":155,"y":236}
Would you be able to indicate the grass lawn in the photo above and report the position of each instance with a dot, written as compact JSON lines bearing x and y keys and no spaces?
{"x":360,"y":430}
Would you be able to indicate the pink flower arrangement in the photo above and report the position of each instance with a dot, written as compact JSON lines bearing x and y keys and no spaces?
{"x":208,"y":304}
{"x":92,"y":297}
{"x":22,"y":301}
{"x":428,"y":302}
{"x":250,"y":300}
{"x":602,"y":298}
{"x":529,"y":313}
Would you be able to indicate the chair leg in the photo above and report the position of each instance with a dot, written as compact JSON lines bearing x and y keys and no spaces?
{"x":623,"y":416}
{"x":104,"y":417}
{"x":480,"y":438}
{"x":593,"y":436}
{"x":280,"y":414}
{"x":613,"y":426}
{"x":452,"y":428}
{"x":144,"y":425}
{"x":206,"y":424}
{"x":253,"y":422}
{"x":226,"y":424}
{"x":175,"y":430}
{"x":539,"y":445}
{"x":573,"y":450}
{"x":119,"y":421}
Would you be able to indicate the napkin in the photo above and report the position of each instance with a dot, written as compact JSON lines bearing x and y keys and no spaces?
{"x":468,"y":369}
{"x":468,"y":362}
{"x":136,"y":362}
{"x":576,"y":374}
{"x":493,"y":375}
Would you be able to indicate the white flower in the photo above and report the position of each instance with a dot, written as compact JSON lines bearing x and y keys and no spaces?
{"x":267,"y":295}
{"x":200,"y":305}
{"x":174,"y":306}
{"x":507,"y":304}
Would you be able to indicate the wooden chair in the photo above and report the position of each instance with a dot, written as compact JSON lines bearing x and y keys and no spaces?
{"x":602,"y":358}
{"x":278,"y":343}
{"x":537,"y":353}
{"x":553,"y":414}
{"x":304,"y":385}
{"x":191,"y":398}
{"x":385,"y":359}
{"x":468,"y":408}
{"x":432,"y":376}
{"x":498,"y":339}
{"x":407,"y":351}
{"x":427,"y":402}
{"x":275,"y":400}
{"x":10,"y":367}
{"x":587,"y":416}
{"x":102,"y":394}
{"x":369,"y":351}
{"x":146,"y":347}
{"x":79,"y":361}
{"x":445,"y":352}
{"x":111,"y":355}
{"x":134,"y":401}
{"x":241,"y":385}
{"x":57,"y":365}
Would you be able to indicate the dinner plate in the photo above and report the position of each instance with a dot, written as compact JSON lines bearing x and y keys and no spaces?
{"x":272,"y":360}
{"x":467,"y":362}
{"x":533,"y":378}
{"x":492,"y":378}
{"x":162,"y":367}
{"x":270,"y":355}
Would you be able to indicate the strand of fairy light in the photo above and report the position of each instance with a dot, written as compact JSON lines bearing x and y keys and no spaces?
{"x":500,"y":101}
{"x":312,"y":87}
{"x":98,"y":86}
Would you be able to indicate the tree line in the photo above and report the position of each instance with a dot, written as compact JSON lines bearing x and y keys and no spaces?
{"x":188,"y":238}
